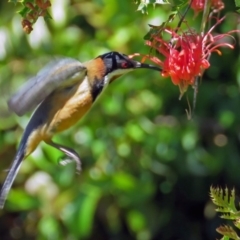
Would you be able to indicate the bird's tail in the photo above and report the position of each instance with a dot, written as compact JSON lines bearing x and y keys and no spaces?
{"x":11,"y":175}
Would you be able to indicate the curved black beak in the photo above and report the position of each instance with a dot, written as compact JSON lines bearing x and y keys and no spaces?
{"x":145,"y":65}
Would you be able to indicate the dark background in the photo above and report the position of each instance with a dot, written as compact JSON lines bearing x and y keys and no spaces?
{"x":147,"y":169}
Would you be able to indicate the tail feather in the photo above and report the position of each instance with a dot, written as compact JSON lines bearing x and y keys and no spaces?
{"x":11,"y":176}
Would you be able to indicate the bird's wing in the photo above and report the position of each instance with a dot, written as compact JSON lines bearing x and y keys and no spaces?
{"x":59,"y":73}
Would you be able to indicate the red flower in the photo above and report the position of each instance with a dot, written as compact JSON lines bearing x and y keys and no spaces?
{"x":186,"y":55}
{"x":198,"y":5}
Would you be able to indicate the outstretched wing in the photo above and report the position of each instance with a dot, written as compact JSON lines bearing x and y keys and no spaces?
{"x":59,"y":73}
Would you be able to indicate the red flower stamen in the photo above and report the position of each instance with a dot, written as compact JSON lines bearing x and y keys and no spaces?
{"x":186,"y":55}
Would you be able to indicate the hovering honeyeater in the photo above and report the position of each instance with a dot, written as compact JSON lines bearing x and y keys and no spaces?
{"x":62,"y":93}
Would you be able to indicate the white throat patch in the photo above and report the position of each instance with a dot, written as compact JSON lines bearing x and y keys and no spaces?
{"x":117,"y":72}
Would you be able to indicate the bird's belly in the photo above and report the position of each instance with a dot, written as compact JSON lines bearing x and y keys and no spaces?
{"x":73,"y":108}
{"x":71,"y":115}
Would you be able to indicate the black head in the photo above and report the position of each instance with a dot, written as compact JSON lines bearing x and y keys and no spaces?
{"x":117,"y":64}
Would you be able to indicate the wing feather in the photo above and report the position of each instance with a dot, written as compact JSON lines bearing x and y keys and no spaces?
{"x":57,"y":74}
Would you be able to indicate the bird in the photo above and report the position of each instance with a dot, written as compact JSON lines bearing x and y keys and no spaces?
{"x":61,"y":94}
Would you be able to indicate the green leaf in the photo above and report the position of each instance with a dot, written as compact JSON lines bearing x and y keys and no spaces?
{"x":19,"y":200}
{"x":47,"y":16}
{"x":237,"y":223}
{"x":124,"y":181}
{"x":228,"y":231}
{"x":23,"y":12}
{"x":87,"y":209}
{"x":141,"y":7}
{"x":15,"y":1}
{"x":144,"y":4}
{"x":136,"y":221}
{"x":79,"y":215}
{"x":49,"y":226}
{"x":237,"y":3}
{"x":224,"y":199}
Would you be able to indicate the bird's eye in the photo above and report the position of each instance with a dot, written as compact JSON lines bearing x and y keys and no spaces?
{"x":124,"y":65}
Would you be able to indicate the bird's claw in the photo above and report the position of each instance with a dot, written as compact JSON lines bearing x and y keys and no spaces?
{"x":66,"y":161}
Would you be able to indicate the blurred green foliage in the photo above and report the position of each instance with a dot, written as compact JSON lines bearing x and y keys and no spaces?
{"x":147,"y":170}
